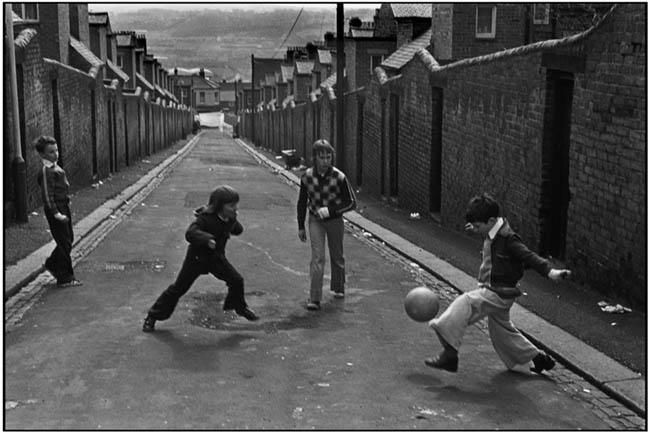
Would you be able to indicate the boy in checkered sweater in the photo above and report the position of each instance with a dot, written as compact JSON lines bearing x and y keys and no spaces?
{"x":55,"y":191}
{"x":325,"y":192}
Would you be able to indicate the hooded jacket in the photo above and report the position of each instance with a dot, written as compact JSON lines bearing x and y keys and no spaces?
{"x":206,"y":226}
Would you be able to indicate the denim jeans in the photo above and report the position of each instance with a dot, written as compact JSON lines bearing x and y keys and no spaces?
{"x":318,"y":232}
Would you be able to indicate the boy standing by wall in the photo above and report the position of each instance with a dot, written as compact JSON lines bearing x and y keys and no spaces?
{"x":55,"y":191}
{"x":504,"y":259}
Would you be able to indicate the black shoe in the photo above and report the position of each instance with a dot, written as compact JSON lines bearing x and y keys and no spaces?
{"x":444,"y":361}
{"x":248,"y":314}
{"x":149,"y":324}
{"x":542,"y":361}
{"x":49,"y":268}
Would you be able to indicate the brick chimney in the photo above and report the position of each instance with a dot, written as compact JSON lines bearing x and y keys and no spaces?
{"x":55,"y":23}
{"x":442,"y":25}
{"x":79,"y":22}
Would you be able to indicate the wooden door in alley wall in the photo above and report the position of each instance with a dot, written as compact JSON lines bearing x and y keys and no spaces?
{"x":393,"y":152}
{"x":359,"y":174}
{"x":555,"y":163}
{"x":435,"y":165}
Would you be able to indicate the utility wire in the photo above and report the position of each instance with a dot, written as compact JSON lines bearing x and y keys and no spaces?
{"x":289,"y":34}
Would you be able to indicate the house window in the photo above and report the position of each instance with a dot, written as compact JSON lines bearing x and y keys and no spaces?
{"x":486,"y":21}
{"x":27,"y":11}
{"x":120,"y":61}
{"x":202,"y":97}
{"x":541,"y":12}
{"x":375,"y":61}
{"x":216,"y":96}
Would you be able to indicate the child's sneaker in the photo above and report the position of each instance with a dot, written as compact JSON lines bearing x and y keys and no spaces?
{"x":542,"y":361}
{"x":313,"y":305}
{"x":445,"y":361}
{"x":70,"y":283}
{"x":149,"y":324}
{"x":339,"y":295}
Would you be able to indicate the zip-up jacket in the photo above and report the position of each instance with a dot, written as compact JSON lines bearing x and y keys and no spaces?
{"x":510,"y":257}
{"x":206,"y":227}
{"x":331,"y":190}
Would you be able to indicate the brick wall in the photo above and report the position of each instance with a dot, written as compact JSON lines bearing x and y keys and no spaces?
{"x":132,"y":128}
{"x":492,"y":132}
{"x":414,"y":91}
{"x":372,"y":133}
{"x":608,"y":214}
{"x":510,"y":30}
{"x":74,"y":107}
{"x":404,"y":32}
{"x":36,"y":99}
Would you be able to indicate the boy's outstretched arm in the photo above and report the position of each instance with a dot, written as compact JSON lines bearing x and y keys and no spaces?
{"x":532,"y":260}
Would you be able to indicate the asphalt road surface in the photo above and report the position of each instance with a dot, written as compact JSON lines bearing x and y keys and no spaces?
{"x":79,"y":360}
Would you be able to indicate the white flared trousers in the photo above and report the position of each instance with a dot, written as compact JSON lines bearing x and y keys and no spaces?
{"x":511,"y":346}
{"x":318,"y":232}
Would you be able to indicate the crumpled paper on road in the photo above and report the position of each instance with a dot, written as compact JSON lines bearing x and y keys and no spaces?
{"x":612,"y":309}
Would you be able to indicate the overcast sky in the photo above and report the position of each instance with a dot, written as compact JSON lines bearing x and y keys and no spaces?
{"x":120,"y":7}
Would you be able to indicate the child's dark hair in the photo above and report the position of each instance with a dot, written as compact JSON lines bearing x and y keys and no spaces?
{"x":321,"y":146}
{"x":43,"y":141}
{"x":222,"y":194}
{"x":481,"y":209}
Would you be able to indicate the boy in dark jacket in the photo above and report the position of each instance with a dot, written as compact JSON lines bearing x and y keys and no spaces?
{"x":206,"y":253}
{"x":504,"y":259}
{"x":55,"y":191}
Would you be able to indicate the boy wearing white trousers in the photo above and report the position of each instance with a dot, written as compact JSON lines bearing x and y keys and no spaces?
{"x":504,"y":258}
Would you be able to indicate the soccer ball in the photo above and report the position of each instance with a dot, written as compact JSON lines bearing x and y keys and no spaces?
{"x":421,"y":304}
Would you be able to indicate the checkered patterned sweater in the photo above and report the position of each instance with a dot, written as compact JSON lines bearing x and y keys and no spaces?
{"x":331,"y":190}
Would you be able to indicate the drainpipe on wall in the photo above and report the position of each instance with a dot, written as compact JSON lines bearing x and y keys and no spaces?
{"x":18,"y":164}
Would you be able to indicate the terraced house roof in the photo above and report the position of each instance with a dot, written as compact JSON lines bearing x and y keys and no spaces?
{"x":287,"y":73}
{"x":406,"y":52}
{"x":98,"y":18}
{"x":87,"y":55}
{"x":125,"y":40}
{"x":304,"y":67}
{"x":117,"y":70}
{"x":325,"y":57}
{"x":144,"y":82}
{"x":411,"y":10}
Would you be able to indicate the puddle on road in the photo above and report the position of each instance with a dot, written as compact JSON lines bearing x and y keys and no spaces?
{"x":207,"y":312}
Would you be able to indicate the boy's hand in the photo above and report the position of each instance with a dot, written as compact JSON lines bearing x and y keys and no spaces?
{"x":302,"y":235}
{"x":60,"y":217}
{"x":323,"y":213}
{"x":212,"y":244}
{"x":559,"y":274}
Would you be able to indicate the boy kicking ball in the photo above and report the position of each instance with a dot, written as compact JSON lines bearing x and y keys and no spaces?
{"x":504,"y":258}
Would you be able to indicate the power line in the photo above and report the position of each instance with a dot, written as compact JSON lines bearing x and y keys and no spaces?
{"x":289,"y":34}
